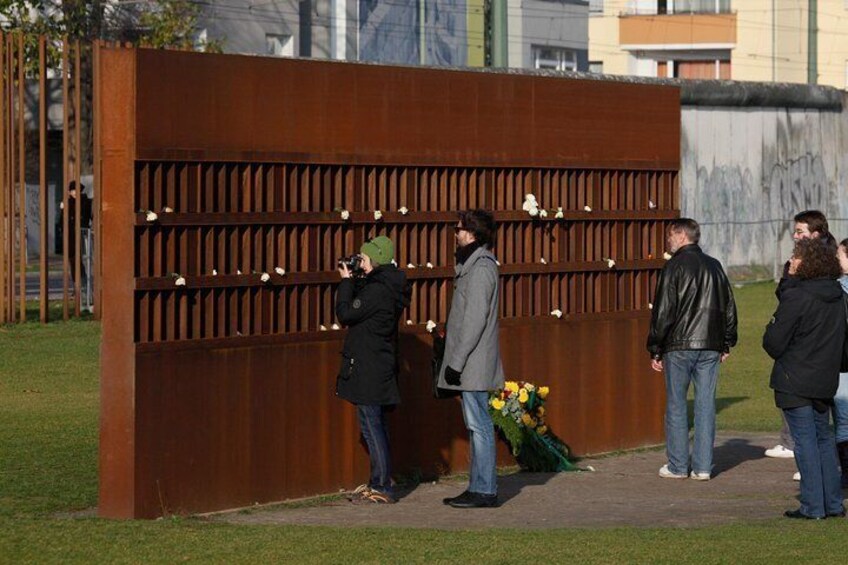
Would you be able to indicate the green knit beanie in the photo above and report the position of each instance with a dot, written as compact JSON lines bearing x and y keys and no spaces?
{"x":381,"y":250}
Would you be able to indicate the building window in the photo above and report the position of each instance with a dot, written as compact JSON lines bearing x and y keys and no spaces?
{"x":596,"y":67}
{"x":555,"y":58}
{"x":279,"y":45}
{"x":597,"y":6}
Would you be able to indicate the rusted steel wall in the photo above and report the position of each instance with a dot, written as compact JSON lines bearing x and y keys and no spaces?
{"x":220,"y":393}
{"x":25,"y":101}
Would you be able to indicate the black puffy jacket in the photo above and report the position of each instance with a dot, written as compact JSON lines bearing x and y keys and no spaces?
{"x":805,"y":338}
{"x":694,"y":307}
{"x":371,"y":308}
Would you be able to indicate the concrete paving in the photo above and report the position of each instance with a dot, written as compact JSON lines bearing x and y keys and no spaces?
{"x":624,"y":490}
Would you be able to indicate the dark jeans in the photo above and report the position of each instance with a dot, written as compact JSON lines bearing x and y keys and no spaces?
{"x":815,"y":454}
{"x":372,"y":423}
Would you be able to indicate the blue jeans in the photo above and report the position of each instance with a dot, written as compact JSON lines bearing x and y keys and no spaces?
{"x":840,"y":409}
{"x":481,"y":432}
{"x":815,"y":455}
{"x":372,"y":424}
{"x":681,"y":369}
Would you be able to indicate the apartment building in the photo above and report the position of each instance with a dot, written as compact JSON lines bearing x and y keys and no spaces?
{"x":800,"y":41}
{"x":550,"y":34}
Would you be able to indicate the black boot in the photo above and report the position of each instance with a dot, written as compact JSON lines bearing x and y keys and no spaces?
{"x":842,"y":450}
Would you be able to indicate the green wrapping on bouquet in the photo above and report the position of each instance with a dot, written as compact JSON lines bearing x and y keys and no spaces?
{"x":544,"y":454}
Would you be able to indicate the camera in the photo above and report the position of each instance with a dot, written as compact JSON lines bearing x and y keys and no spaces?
{"x":353,"y":264}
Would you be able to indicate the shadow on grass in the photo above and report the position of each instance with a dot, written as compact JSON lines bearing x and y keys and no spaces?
{"x":720,"y":404}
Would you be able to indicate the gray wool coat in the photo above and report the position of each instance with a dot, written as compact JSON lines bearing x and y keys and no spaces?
{"x":471,"y":344}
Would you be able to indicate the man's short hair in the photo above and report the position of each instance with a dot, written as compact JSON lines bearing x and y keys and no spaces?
{"x":814,"y":219}
{"x":688,"y":226}
{"x":481,"y":223}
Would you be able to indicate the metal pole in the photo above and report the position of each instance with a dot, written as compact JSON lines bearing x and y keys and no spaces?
{"x":4,"y":187}
{"x":95,"y":204}
{"x":10,"y":255}
{"x":42,"y":177}
{"x":22,"y":177}
{"x":77,"y":178}
{"x":66,"y":265}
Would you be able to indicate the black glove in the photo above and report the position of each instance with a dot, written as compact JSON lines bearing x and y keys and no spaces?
{"x":452,"y":376}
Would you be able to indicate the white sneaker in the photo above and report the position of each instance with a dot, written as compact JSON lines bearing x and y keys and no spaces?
{"x":780,"y":452}
{"x":699,"y":476}
{"x":666,"y":474}
{"x":796,"y":476}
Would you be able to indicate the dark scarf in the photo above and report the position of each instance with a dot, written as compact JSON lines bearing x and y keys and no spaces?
{"x":463,"y":253}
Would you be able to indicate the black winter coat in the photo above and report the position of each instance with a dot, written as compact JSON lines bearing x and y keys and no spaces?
{"x":694,"y":307}
{"x":371,"y":308}
{"x":805,"y":338}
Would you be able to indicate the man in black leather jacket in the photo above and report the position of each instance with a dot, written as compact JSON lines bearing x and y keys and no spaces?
{"x":693,"y":327}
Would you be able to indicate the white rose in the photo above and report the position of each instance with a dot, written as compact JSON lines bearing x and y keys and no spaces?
{"x":559,"y":215}
{"x":167,"y":209}
{"x":543,"y":213}
{"x":403,"y":210}
{"x":651,"y":204}
{"x":280,"y":271}
{"x":152,"y":216}
{"x":650,"y":305}
{"x":610,"y":263}
{"x":410,"y":266}
{"x":533,"y":211}
{"x":238,"y":271}
{"x":335,"y":326}
{"x":557,"y":313}
{"x":214,"y":272}
{"x":587,"y":208}
{"x":180,"y":281}
{"x":666,"y":255}
{"x":431,"y":325}
{"x":322,"y":327}
{"x":265,"y":277}
{"x":409,"y":322}
{"x":543,"y":261}
{"x":429,"y":265}
{"x":378,"y":215}
{"x":345,"y":214}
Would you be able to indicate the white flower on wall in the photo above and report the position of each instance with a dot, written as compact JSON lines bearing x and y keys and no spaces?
{"x":280,"y":271}
{"x":344,"y":214}
{"x":431,"y":325}
{"x":557,"y":313}
{"x":403,"y":210}
{"x":587,"y":208}
{"x":378,"y":215}
{"x":559,"y":214}
{"x":151,"y":216}
{"x":265,"y":277}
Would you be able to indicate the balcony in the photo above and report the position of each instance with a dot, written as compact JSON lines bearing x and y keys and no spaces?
{"x":678,"y":31}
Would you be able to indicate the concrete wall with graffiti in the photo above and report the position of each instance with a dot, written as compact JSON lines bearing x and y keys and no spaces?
{"x":745,"y":172}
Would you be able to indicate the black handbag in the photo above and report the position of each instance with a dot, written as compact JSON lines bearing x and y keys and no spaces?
{"x":438,"y":358}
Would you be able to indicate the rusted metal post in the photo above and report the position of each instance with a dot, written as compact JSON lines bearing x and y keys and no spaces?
{"x":4,"y":187}
{"x":66,"y":265}
{"x":44,"y":313}
{"x":10,"y":256}
{"x":22,"y":179}
{"x":77,"y":178}
{"x":96,"y":279}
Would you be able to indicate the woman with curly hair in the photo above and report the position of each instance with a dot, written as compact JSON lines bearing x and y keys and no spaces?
{"x":805,"y":338}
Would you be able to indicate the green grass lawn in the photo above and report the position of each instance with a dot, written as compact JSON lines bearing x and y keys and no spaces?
{"x":48,"y":483}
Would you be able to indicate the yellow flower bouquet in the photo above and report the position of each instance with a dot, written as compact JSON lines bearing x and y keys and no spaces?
{"x":518,"y":412}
